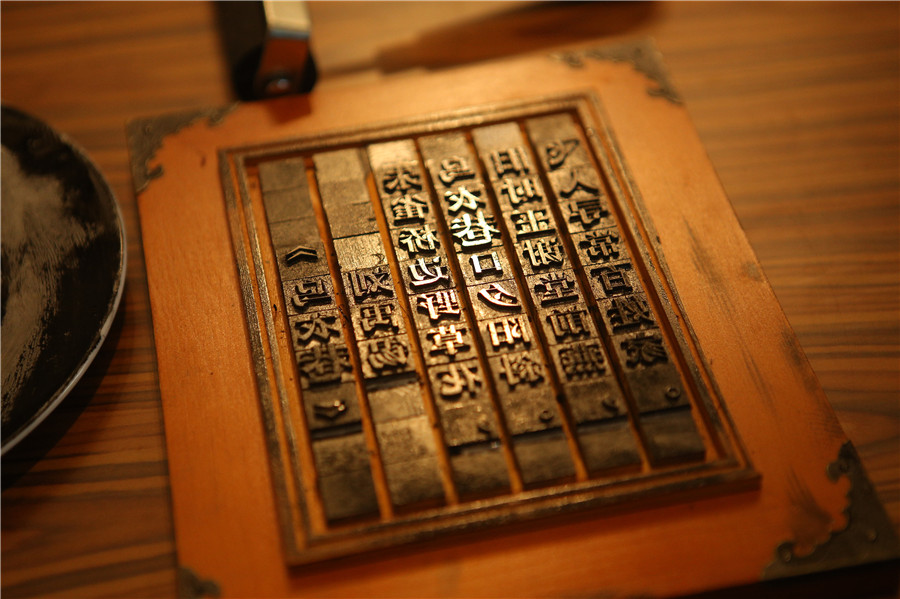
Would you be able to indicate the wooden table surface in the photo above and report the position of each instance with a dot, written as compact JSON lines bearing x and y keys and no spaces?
{"x":798,"y":105}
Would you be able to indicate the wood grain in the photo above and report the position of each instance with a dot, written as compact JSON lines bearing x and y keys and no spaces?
{"x":798,"y":106}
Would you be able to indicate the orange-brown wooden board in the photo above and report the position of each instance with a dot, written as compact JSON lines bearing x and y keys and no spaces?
{"x":225,"y":513}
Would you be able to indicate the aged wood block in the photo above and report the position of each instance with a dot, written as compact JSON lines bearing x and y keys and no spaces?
{"x":498,"y":307}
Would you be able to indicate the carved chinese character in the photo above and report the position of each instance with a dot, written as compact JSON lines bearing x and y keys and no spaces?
{"x":542,"y":253}
{"x":530,"y":223}
{"x":601,"y":246}
{"x":646,"y":349}
{"x":509,"y":161}
{"x":387,"y":353}
{"x":498,"y":297}
{"x":629,"y":312}
{"x":568,"y":324}
{"x":521,"y":191}
{"x":439,"y":304}
{"x":474,"y":233}
{"x":323,"y":363}
{"x":521,"y":368}
{"x":555,"y":288}
{"x":329,"y":410}
{"x":366,"y":284}
{"x":419,"y":240}
{"x":301,"y":253}
{"x":320,"y":326}
{"x":464,"y":199}
{"x":457,"y":379}
{"x":582,"y":360}
{"x":577,"y":180}
{"x":613,"y":279}
{"x":401,"y":177}
{"x":448,"y":340}
{"x":558,"y":151}
{"x":588,"y":212}
{"x":509,"y":331}
{"x":408,"y":209}
{"x":424,"y":275}
{"x":453,"y":169}
{"x":377,"y":317}
{"x":307,"y":292}
{"x":485,"y":264}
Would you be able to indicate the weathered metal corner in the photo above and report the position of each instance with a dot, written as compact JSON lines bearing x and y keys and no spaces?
{"x":641,"y":54}
{"x":868,"y":536}
{"x":191,"y":586}
{"x":146,"y":135}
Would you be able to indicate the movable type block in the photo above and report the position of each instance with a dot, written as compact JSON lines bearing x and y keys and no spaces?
{"x":542,"y":255}
{"x":587,"y":214}
{"x":446,"y":343}
{"x":506,"y":334}
{"x":557,"y":142}
{"x":491,"y":300}
{"x":529,"y":222}
{"x":384,"y":357}
{"x":475,"y":233}
{"x":368,"y":285}
{"x":443,"y":306}
{"x":410,"y":463}
{"x":488,"y":266}
{"x":672,"y":436}
{"x":480,"y":469}
{"x":595,"y":399}
{"x":399,"y":176}
{"x":458,"y":380}
{"x":321,"y":327}
{"x":324,"y":365}
{"x":426,"y":273}
{"x":575,"y":183}
{"x":384,"y":158}
{"x":360,"y":251}
{"x":331,"y":409}
{"x":525,"y":394}
{"x":608,"y":445}
{"x":653,"y":379}
{"x":599,"y":247}
{"x":416,"y":241}
{"x":405,"y":210}
{"x":543,"y":457}
{"x":376,"y":319}
{"x":556,"y":289}
{"x":308,"y":294}
{"x":521,"y":193}
{"x":288,"y":204}
{"x":449,"y":160}
{"x":396,"y":402}
{"x":468,"y":421}
{"x":284,"y":174}
{"x":341,"y":177}
{"x":299,"y":251}
{"x":613,"y":280}
{"x":627,"y":313}
{"x":581,"y":361}
{"x":463,"y":197}
{"x":502,"y":150}
{"x":345,"y":477}
{"x":566,"y":323}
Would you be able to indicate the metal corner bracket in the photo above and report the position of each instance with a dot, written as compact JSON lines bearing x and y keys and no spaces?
{"x":868,"y":536}
{"x":145,"y":136}
{"x":191,"y":586}
{"x":641,"y":54}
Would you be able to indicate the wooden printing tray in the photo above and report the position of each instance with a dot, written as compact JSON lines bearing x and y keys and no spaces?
{"x":510,"y":300}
